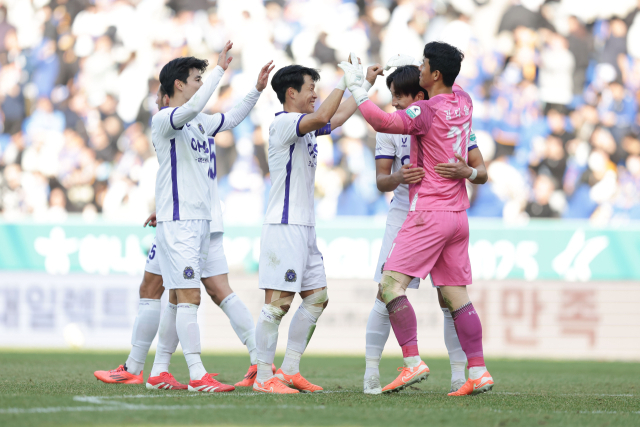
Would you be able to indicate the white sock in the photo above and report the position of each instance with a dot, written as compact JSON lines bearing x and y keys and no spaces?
{"x":267,"y":339}
{"x":412,"y":361}
{"x":457,"y":358}
{"x":189,"y":335}
{"x":167,"y":341}
{"x":300,"y":332}
{"x":476,"y":372}
{"x":145,"y":329}
{"x":378,"y":328}
{"x":291,"y":362}
{"x":242,"y":323}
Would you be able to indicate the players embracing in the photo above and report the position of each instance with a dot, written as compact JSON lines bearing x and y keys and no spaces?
{"x":434,"y":238}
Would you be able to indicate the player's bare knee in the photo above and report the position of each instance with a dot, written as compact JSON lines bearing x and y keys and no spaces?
{"x":393,"y":285}
{"x":151,"y":286}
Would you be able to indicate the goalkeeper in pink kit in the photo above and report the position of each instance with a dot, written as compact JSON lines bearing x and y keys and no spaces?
{"x":435,"y":236}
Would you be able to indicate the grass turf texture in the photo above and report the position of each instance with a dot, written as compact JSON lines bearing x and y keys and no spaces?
{"x":42,"y":389}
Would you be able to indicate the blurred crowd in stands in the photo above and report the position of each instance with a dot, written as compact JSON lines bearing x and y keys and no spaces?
{"x":555,"y":85}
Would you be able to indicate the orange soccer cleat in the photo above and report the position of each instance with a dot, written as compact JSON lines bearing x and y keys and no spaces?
{"x":477,"y":386}
{"x":250,"y":376}
{"x":118,"y":376}
{"x":407,"y":377}
{"x":208,"y":385}
{"x":165,"y":381}
{"x":273,"y":385}
{"x":298,"y":382}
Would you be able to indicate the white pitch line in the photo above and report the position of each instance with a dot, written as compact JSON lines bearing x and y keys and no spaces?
{"x":131,"y":407}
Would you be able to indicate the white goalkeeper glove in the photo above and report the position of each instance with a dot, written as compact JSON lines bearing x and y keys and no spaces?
{"x":354,"y":78}
{"x":401,"y":60}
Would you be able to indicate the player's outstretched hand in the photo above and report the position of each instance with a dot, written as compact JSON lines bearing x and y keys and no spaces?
{"x":223,"y":61}
{"x":458,"y":170}
{"x":353,"y":75}
{"x":409,"y":175}
{"x":374,"y":71}
{"x":152,"y":221}
{"x":263,"y":77}
{"x":399,"y":61}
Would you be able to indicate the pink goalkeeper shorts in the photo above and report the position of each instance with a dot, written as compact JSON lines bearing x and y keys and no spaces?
{"x":435,"y":242}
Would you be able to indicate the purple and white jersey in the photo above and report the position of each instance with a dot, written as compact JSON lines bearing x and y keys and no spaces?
{"x":398,"y":149}
{"x":293,"y":158}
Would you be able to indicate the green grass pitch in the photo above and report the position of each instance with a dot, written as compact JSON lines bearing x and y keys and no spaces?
{"x":43,"y":389}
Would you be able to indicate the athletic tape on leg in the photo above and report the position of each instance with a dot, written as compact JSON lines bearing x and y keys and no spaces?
{"x":393,"y":285}
{"x":315,"y":303}
{"x":279,"y":302}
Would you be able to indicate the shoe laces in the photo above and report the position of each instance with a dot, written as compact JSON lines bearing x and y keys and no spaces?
{"x":118,"y":369}
{"x":373,"y":382}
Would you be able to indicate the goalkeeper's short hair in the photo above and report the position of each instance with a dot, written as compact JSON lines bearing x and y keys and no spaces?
{"x":406,"y":81}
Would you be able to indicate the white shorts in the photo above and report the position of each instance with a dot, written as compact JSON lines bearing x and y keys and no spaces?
{"x":216,"y":260}
{"x":182,"y":250}
{"x":290,"y":259}
{"x":390,"y":233}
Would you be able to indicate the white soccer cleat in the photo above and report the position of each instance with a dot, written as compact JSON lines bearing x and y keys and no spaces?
{"x":455,"y":385}
{"x":372,"y":385}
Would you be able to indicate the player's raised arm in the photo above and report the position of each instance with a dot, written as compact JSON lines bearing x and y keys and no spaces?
{"x":349,"y":107}
{"x":321,"y":117}
{"x":237,"y":114}
{"x":378,"y":119}
{"x":186,"y":90}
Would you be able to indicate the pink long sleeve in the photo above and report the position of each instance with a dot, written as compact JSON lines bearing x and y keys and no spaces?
{"x":381,"y":121}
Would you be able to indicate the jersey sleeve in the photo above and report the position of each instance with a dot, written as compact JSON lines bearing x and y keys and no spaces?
{"x":472,"y":141}
{"x":385,"y":148}
{"x":324,"y":130}
{"x":161,"y":123}
{"x":288,"y":129}
{"x":417,"y":118}
{"x":213,"y":123}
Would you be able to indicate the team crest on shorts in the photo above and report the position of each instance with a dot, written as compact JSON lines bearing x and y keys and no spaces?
{"x":290,"y":276}
{"x":201,"y":128}
{"x":188,"y":273}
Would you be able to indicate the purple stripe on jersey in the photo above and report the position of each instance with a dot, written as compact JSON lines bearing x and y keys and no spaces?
{"x":281,"y":112}
{"x":174,"y":181}
{"x":298,"y":126}
{"x":324,"y":130}
{"x":219,"y":127}
{"x":471,"y":147}
{"x":385,"y":157}
{"x":171,"y":119}
{"x":287,"y":183}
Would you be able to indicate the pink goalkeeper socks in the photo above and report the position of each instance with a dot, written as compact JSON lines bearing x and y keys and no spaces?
{"x":469,"y":331}
{"x":405,"y":326}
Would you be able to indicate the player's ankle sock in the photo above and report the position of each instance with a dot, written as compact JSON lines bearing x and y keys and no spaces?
{"x":167,"y":340}
{"x":189,"y":335}
{"x":264,"y":372}
{"x":469,"y":331}
{"x":476,"y":372}
{"x":378,"y":328}
{"x":412,"y":361}
{"x":291,"y":362}
{"x":267,"y":339}
{"x":144,"y":330}
{"x":242,"y":323}
{"x":405,"y":326}
{"x":457,"y":358}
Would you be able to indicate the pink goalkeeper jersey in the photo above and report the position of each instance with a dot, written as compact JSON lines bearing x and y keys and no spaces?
{"x":441,"y":126}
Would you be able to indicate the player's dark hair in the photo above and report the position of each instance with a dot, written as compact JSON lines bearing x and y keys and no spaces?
{"x":291,"y":76}
{"x":406,"y":81}
{"x":444,"y":58}
{"x":179,"y":69}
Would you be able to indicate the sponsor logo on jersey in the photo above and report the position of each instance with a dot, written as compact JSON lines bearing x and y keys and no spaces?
{"x":201,"y":128}
{"x":472,"y":138}
{"x":188,"y":273}
{"x":290,"y":276}
{"x":404,"y":141}
{"x":414,"y":111}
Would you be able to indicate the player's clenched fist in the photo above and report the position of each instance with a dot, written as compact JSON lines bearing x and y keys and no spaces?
{"x":263,"y":77}
{"x":408,"y":175}
{"x":223,"y":61}
{"x":374,"y":71}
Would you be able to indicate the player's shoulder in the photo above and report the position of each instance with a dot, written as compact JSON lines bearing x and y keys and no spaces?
{"x":162,"y":116}
{"x":457,"y":89}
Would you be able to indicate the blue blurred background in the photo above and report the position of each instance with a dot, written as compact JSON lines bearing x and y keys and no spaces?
{"x":555,"y":86}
